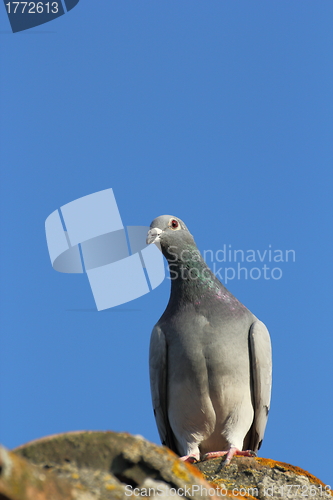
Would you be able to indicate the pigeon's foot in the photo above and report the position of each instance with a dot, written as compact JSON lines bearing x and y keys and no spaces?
{"x":189,"y":458}
{"x":231,"y":453}
{"x":214,"y":454}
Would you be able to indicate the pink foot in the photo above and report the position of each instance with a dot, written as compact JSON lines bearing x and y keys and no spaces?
{"x":233,"y":451}
{"x":188,"y":458}
{"x":214,"y":454}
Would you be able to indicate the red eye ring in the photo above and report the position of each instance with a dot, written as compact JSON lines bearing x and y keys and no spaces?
{"x":174,"y":224}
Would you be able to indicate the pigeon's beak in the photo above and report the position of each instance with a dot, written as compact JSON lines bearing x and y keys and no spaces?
{"x":153,"y":235}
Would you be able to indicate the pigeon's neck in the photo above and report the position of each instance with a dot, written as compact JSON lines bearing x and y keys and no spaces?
{"x":191,"y":278}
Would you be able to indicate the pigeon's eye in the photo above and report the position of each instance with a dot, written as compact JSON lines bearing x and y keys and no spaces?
{"x":174,"y":224}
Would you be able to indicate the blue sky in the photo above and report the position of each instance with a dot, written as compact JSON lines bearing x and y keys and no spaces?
{"x":217,"y":112}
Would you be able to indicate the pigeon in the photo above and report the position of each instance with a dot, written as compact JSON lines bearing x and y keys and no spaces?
{"x":210,"y":358}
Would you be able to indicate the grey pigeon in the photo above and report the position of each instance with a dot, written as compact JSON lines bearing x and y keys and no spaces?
{"x":210,"y":358}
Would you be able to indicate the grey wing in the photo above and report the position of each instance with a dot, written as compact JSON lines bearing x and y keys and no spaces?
{"x":261,"y":374}
{"x":158,"y":369}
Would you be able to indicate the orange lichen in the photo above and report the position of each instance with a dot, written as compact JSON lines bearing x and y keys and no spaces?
{"x":291,"y":468}
{"x":179,"y":471}
{"x":110,"y":487}
{"x":163,"y":449}
{"x":194,"y":470}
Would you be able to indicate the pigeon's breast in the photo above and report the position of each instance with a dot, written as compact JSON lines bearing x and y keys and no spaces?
{"x":208,"y":349}
{"x":208,"y":370}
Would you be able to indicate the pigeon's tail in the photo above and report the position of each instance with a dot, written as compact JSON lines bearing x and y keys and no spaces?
{"x":170,"y":440}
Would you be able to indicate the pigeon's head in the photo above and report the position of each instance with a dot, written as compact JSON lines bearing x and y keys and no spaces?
{"x":164,"y":227}
{"x":169,"y":232}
